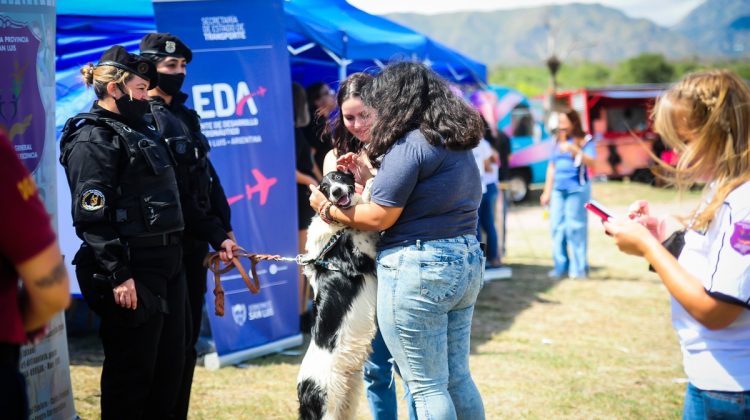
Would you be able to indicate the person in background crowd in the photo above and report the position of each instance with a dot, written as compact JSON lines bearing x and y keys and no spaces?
{"x":566,"y":189}
{"x":502,"y":145}
{"x":321,"y":102}
{"x":350,"y":133}
{"x":488,"y":163}
{"x":425,"y":199}
{"x":126,"y":209}
{"x":204,"y":205}
{"x":305,"y":174}
{"x":706,"y":118}
{"x":29,"y":250}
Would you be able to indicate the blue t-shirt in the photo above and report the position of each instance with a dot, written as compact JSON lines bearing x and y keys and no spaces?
{"x":569,"y":174}
{"x":439,"y":190}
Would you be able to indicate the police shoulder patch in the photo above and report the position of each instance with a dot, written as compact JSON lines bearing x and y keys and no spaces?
{"x":92,"y":200}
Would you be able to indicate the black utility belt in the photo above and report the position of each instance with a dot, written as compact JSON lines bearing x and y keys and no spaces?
{"x":164,"y":239}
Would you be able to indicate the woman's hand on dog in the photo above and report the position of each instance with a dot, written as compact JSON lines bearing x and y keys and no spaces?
{"x":357,"y":164}
{"x":316,"y":198}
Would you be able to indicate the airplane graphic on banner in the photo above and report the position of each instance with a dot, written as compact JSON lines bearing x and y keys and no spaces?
{"x":262,"y":187}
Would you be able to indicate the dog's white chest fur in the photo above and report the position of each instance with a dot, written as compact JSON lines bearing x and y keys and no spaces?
{"x":330,"y":377}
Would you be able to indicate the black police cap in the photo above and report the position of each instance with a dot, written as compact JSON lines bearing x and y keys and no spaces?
{"x":163,"y":45}
{"x":117,"y":56}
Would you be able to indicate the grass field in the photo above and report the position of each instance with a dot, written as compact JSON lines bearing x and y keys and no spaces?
{"x":541,"y":349}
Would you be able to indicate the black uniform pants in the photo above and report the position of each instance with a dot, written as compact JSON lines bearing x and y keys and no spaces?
{"x":195,"y":272}
{"x":143,"y":363}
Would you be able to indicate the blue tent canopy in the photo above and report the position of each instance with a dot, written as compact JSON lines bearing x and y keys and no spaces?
{"x":356,"y":41}
{"x":327,"y":39}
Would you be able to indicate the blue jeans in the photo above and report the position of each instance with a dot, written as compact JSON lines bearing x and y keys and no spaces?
{"x":426,"y":297}
{"x":379,"y":384}
{"x":570,"y":230}
{"x":487,"y":221}
{"x":504,"y":197}
{"x":701,"y":404}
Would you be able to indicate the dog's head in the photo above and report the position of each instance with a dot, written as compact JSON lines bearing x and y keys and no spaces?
{"x":338,"y":187}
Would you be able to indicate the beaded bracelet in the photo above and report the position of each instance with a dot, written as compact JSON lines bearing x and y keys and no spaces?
{"x":322,"y":206}
{"x":324,"y":212}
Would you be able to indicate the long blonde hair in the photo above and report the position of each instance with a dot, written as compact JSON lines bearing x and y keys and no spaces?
{"x":712,"y":109}
{"x":100,"y":76}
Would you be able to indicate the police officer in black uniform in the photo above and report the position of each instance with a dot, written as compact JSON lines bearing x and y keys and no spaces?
{"x":126,"y":209}
{"x":205,"y":206}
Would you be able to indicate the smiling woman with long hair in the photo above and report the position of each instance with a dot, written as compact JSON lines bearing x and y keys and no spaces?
{"x":424,"y":199}
{"x":350,"y":134}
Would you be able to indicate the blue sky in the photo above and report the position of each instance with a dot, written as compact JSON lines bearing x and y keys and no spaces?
{"x":663,"y":12}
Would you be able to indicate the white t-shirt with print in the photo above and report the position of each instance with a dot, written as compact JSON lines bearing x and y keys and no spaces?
{"x":719,"y":360}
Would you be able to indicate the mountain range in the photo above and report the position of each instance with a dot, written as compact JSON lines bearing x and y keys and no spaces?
{"x":716,"y":29}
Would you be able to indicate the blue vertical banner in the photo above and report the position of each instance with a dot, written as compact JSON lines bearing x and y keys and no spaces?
{"x":239,"y":83}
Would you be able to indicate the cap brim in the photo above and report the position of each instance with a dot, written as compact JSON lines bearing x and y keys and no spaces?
{"x":188,"y":57}
{"x":152,"y":81}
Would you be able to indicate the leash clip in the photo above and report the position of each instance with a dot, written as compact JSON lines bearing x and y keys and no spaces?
{"x":303,"y":259}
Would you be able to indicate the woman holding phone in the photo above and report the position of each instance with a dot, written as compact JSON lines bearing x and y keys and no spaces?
{"x":566,"y":189}
{"x":706,"y":117}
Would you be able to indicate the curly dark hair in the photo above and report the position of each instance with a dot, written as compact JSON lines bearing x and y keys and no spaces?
{"x":409,"y":96}
{"x":343,"y":141}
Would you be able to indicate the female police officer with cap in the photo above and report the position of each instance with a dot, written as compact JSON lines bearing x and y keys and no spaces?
{"x":204,"y":205}
{"x":126,"y":209}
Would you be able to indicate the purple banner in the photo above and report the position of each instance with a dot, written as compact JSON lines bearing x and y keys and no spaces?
{"x":21,"y":109}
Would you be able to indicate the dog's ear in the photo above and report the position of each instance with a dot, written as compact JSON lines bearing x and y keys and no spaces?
{"x":347,"y":177}
{"x":325,"y":186}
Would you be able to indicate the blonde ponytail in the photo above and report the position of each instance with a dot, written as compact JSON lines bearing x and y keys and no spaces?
{"x":87,"y":72}
{"x":100,"y":76}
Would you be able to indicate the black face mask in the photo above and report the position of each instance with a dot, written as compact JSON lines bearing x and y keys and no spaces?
{"x":133,"y":110}
{"x":171,"y":83}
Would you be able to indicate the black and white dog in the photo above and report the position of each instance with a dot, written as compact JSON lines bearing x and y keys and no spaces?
{"x":343,"y":278}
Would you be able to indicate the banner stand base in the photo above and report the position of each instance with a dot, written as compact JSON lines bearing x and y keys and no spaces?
{"x":212,"y":361}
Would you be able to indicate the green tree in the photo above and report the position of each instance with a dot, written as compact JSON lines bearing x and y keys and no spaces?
{"x":534,"y":80}
{"x":584,"y":74}
{"x":529,"y":80}
{"x":645,"y":68}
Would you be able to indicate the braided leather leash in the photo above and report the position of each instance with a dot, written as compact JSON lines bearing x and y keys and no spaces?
{"x":214,"y":263}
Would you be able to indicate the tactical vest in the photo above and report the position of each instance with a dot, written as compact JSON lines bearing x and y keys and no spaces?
{"x":188,"y":151}
{"x":147,"y":201}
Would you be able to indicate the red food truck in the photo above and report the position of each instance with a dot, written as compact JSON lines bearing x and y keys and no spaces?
{"x":618,"y":118}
